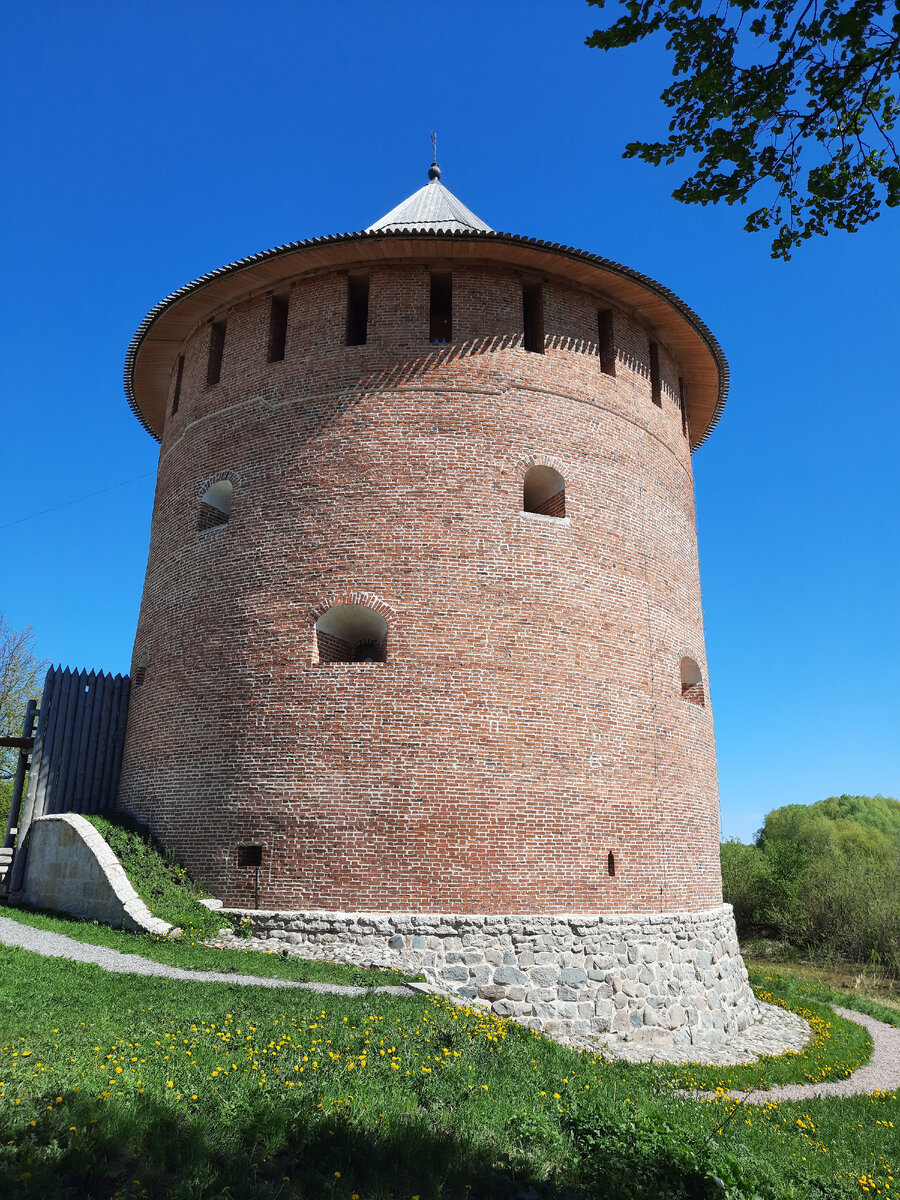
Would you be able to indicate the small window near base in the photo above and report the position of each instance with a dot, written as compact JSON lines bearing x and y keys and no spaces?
{"x":249,"y":856}
{"x":611,"y":863}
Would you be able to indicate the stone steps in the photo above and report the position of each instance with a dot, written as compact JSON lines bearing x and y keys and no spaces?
{"x":6,"y":858}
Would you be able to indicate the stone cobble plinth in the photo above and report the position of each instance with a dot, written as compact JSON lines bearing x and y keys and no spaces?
{"x":669,"y":979}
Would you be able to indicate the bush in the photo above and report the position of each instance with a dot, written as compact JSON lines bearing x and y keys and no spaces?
{"x":824,"y":878}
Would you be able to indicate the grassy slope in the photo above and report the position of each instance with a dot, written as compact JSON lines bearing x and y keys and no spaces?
{"x":152,"y":1087}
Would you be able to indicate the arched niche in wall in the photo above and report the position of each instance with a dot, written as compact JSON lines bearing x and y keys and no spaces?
{"x":347,"y":633}
{"x":544,"y":492}
{"x":692,"y":682}
{"x":215,"y":505}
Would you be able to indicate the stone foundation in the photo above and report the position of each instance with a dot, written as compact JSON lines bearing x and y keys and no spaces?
{"x":673,"y":979}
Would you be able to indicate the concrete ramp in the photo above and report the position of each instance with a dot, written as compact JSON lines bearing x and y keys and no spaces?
{"x":66,"y":866}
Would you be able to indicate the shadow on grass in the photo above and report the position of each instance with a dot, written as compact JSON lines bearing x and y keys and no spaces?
{"x":137,"y":1146}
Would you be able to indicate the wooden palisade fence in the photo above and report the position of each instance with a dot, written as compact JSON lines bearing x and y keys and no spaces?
{"x":77,"y":748}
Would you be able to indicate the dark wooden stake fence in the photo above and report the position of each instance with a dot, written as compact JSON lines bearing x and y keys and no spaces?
{"x":77,"y":745}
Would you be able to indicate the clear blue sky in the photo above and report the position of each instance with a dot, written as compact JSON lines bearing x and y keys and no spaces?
{"x":145,"y":144}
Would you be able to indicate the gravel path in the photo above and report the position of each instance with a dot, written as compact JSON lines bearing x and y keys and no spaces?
{"x":881,"y":1073}
{"x":58,"y":945}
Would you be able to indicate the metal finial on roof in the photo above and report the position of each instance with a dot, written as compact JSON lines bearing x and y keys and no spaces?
{"x":434,"y":171}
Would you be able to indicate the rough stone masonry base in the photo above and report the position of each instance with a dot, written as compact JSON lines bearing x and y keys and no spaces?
{"x":668,"y":978}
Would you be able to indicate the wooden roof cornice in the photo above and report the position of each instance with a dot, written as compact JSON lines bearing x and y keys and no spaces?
{"x":158,"y":341}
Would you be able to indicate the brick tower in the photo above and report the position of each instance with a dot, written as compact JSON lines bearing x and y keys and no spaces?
{"x":420,"y":653}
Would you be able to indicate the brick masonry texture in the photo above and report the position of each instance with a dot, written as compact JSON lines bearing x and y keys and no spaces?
{"x":670,"y":979}
{"x":528,"y":716}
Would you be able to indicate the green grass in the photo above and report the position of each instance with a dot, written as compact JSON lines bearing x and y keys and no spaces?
{"x":288,"y":1094}
{"x":160,"y":881}
{"x":797,"y":980}
{"x":192,"y":955}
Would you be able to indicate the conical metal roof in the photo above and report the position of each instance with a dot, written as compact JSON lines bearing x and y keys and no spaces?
{"x":432,"y":208}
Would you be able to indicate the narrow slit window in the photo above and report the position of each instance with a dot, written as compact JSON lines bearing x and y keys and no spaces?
{"x":215,"y":506}
{"x":278,"y":322}
{"x":611,"y":863}
{"x":216,"y":352}
{"x":441,"y":324}
{"x":533,"y":318}
{"x":655,"y":380}
{"x":606,"y":343}
{"x":176,"y":394}
{"x":683,"y":406}
{"x":357,"y":309}
{"x":544,"y":492}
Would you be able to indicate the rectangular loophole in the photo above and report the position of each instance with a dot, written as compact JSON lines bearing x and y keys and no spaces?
{"x":216,"y":352}
{"x":278,"y":322}
{"x":655,"y":381}
{"x":176,"y":395}
{"x":533,"y":318}
{"x":606,"y":344}
{"x":441,"y":323}
{"x":357,"y":309}
{"x":249,"y":856}
{"x":682,"y":406}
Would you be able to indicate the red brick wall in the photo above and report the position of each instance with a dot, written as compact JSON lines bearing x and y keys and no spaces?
{"x":553,"y":506}
{"x":530,"y":716}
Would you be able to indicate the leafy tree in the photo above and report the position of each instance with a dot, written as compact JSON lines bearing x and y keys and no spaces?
{"x":824,"y":877}
{"x":795,"y":97}
{"x":21,"y":678}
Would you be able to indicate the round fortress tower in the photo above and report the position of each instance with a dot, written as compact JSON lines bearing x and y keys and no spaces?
{"x":420,"y":653}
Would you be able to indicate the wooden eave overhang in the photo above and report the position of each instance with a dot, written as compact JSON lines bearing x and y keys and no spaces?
{"x":162,"y":333}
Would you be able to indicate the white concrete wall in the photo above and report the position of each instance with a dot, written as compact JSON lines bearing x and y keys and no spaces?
{"x":69,"y":868}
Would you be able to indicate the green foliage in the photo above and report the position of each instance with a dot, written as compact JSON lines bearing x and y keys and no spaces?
{"x":6,"y":791}
{"x":823,"y":877}
{"x":21,"y":678}
{"x":792,"y":97}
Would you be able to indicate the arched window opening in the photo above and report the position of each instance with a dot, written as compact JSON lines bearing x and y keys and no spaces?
{"x":544,"y":492}
{"x":215,"y":505}
{"x":692,"y":682}
{"x":611,"y":863}
{"x":350,"y":633}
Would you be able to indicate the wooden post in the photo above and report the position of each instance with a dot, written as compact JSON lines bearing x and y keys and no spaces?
{"x":51,"y":687}
{"x":19,"y":781}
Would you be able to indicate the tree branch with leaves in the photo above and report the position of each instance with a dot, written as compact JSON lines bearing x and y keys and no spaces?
{"x":21,"y":679}
{"x":794,"y":101}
